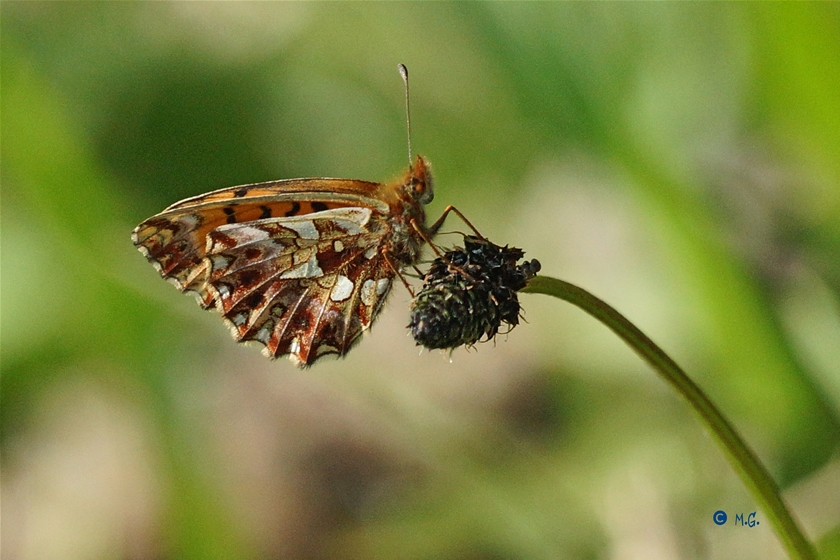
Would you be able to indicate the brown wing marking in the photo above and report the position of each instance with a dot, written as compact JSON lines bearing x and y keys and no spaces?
{"x":300,"y":285}
{"x":353,"y":301}
{"x":334,"y":327}
{"x":372,"y":282}
{"x":171,"y":246}
{"x":175,"y":241}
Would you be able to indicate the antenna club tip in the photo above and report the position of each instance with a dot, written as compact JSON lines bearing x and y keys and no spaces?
{"x":403,"y":70}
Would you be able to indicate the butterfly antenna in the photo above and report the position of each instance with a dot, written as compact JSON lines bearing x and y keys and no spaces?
{"x":404,"y":74}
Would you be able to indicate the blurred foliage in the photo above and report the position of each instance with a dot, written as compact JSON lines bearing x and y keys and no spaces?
{"x":680,"y":160}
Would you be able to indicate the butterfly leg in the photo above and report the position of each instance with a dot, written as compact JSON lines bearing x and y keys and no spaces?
{"x":396,"y":270}
{"x":427,"y":233}
{"x":427,"y":237}
{"x":433,"y":229}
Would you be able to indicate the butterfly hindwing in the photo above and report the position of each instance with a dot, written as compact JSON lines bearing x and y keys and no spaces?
{"x":306,"y":285}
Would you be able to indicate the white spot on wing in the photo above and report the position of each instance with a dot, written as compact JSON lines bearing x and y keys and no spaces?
{"x":308,"y":269}
{"x":246,"y":234}
{"x":338,"y":246}
{"x":351,"y":219}
{"x":304,"y":228}
{"x":382,"y":286}
{"x":352,"y":228}
{"x":219,"y":262}
{"x":263,"y":335}
{"x":371,"y":252}
{"x":369,"y":292}
{"x":189,"y":220}
{"x":342,"y":289}
{"x":326,"y":349}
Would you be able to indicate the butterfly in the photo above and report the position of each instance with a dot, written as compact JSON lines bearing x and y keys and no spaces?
{"x":302,"y":266}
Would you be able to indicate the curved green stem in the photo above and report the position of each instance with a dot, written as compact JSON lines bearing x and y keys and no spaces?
{"x":752,"y":472}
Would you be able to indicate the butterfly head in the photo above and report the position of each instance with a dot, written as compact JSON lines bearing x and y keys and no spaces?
{"x":419,"y":181}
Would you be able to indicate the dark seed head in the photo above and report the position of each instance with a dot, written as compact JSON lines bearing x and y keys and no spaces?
{"x":469,"y":293}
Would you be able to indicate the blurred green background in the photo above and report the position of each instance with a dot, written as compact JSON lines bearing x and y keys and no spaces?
{"x":682,"y":161}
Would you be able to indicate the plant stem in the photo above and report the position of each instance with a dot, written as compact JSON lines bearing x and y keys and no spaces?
{"x":750,"y":469}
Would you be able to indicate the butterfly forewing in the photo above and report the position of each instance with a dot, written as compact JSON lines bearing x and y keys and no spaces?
{"x":174,"y":240}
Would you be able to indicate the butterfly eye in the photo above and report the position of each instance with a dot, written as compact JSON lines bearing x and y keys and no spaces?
{"x":425,"y":195}
{"x":424,"y":191}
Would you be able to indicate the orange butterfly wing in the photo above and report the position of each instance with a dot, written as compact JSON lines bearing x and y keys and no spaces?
{"x":302,"y":266}
{"x":174,"y":241}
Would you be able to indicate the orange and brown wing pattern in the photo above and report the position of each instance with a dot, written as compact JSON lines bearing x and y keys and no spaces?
{"x":302,"y":266}
{"x":174,"y":241}
{"x":175,"y":247}
{"x":283,"y":191}
{"x":306,"y":286}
